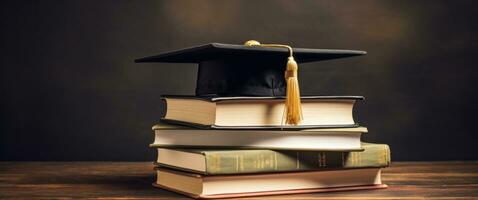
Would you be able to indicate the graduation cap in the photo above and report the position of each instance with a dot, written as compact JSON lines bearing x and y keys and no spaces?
{"x":252,"y":69}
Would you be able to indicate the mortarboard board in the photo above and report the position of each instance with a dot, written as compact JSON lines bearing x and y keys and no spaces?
{"x":252,"y":69}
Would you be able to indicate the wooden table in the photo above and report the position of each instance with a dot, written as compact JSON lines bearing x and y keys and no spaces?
{"x":122,"y":180}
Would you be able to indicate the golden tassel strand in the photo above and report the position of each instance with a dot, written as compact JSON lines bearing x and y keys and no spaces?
{"x":293,"y":107}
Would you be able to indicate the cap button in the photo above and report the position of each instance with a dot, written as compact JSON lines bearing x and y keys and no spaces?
{"x":252,"y":43}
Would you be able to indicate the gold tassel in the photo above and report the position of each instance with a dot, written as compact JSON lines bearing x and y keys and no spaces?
{"x":293,"y":107}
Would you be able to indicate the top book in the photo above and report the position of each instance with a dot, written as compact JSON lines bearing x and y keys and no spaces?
{"x":259,"y":112}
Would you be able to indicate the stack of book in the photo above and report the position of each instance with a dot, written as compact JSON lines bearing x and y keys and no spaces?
{"x":236,"y":147}
{"x":231,"y":140}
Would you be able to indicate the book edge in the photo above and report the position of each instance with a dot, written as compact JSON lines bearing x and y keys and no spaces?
{"x":207,"y":127}
{"x":277,"y":192}
{"x":172,"y":146}
{"x":217,"y":99}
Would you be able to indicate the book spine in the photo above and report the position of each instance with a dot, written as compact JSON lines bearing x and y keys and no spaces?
{"x":374,"y":155}
{"x":260,"y":161}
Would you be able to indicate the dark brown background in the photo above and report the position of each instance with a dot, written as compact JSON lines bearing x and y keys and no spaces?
{"x":70,"y":90}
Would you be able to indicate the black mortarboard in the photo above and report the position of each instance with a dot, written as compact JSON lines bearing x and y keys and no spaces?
{"x":252,"y":69}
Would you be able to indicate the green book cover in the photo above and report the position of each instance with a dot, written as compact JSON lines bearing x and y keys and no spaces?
{"x":262,"y":161}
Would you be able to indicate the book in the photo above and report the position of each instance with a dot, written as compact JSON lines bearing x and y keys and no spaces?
{"x":227,"y":186}
{"x":217,"y":162}
{"x":332,"y":139}
{"x":258,"y":112}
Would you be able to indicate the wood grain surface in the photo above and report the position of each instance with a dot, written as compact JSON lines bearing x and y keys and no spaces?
{"x":132,"y":180}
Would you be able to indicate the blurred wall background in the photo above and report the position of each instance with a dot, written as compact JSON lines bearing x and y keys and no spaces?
{"x":70,"y":90}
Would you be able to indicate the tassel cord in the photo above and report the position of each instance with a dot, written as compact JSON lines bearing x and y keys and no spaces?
{"x":293,"y":108}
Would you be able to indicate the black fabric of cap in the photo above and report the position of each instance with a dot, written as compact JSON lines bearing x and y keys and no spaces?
{"x":238,"y":70}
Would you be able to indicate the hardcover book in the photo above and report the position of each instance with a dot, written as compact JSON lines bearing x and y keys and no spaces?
{"x":216,"y":162}
{"x":332,"y":139}
{"x":227,"y":186}
{"x":258,"y":112}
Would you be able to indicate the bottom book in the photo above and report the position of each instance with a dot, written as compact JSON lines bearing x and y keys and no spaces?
{"x":228,"y":186}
